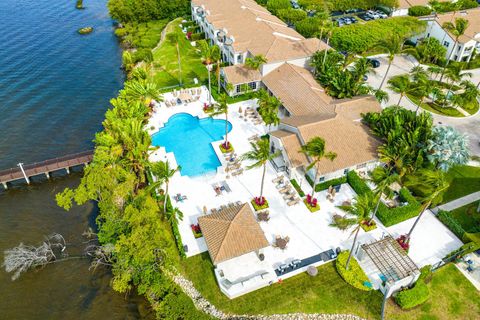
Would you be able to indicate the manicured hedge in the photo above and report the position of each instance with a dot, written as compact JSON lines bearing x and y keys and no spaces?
{"x":359,"y":38}
{"x":451,"y":223}
{"x":388,"y":216}
{"x":357,"y":183}
{"x":297,"y":187}
{"x":354,"y":276}
{"x":410,"y":298}
{"x":334,"y":182}
{"x":418,"y":11}
{"x":197,"y":36}
{"x":309,"y":180}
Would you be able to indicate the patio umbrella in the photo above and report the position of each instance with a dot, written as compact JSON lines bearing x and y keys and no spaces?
{"x":240,"y":110}
{"x":312,"y":271}
{"x":184,"y":96}
{"x":333,"y":192}
{"x":330,"y":189}
{"x":205,"y":210}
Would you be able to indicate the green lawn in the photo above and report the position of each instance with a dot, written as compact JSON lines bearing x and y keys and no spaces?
{"x":468,"y":217}
{"x":452,"y":297}
{"x":471,"y":108}
{"x":325,"y":293}
{"x":434,"y":108}
{"x":166,"y":63}
{"x":463,"y":181}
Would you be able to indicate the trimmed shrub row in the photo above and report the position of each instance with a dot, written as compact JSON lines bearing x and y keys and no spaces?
{"x":334,"y":182}
{"x":388,"y":216}
{"x":297,"y":187}
{"x":354,"y":276}
{"x":417,"y":295}
{"x":418,"y":11}
{"x":451,"y":223}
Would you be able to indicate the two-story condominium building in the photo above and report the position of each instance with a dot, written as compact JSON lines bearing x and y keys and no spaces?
{"x":468,"y":43}
{"x":242,"y":29}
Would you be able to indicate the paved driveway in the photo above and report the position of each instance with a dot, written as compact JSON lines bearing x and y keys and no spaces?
{"x":403,"y":64}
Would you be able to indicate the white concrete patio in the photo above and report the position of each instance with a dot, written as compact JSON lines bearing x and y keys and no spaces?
{"x":309,"y":233}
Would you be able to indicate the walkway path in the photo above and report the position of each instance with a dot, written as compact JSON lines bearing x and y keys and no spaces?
{"x":458,"y":203}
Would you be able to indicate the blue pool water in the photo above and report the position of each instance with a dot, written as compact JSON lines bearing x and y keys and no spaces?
{"x":190,"y":138}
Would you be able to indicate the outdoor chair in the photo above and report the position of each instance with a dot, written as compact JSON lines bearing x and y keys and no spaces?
{"x":278,"y":179}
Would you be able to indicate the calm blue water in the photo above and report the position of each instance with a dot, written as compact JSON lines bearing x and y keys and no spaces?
{"x":54,"y":83}
{"x":189,"y":138}
{"x":55,"y":87}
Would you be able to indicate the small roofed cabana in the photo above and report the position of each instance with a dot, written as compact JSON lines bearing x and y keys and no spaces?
{"x":232,"y":232}
{"x":241,"y":78}
{"x":388,"y":265}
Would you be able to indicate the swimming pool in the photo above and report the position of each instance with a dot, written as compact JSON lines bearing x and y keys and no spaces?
{"x":190,"y":138}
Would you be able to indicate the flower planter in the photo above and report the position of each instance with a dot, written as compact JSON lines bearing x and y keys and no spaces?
{"x":226,"y":148}
{"x":402,"y":241}
{"x":259,"y":203}
{"x":197,"y":233}
{"x":368,"y":225}
{"x":311,"y":207}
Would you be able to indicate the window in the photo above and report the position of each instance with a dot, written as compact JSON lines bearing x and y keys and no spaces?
{"x":345,"y":171}
{"x":253,"y":85}
{"x":238,"y":88}
{"x":360,"y":166}
{"x":446,"y":43}
{"x":239,"y":58}
{"x":321,"y":179}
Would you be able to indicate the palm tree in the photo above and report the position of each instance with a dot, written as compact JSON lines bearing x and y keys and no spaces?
{"x":422,"y":88}
{"x":383,"y":177}
{"x":361,"y":68}
{"x":470,"y":91}
{"x":457,"y":29}
{"x":174,"y":38}
{"x":393,"y":45}
{"x":210,"y":55}
{"x":360,"y":210}
{"x":315,"y":149}
{"x":164,"y":173}
{"x":221,"y":107}
{"x":141,"y":90}
{"x":434,"y":70}
{"x":255,"y":62}
{"x":268,"y":107}
{"x":381,"y":96}
{"x":260,"y":154}
{"x":328,"y":28}
{"x":430,"y":185}
{"x":401,"y":85}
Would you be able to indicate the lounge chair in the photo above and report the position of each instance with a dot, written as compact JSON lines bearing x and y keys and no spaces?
{"x":226,"y":186}
{"x":238,"y":172}
{"x":288,"y":196}
{"x":217,"y":189}
{"x":278,"y":179}
{"x":287,"y":189}
{"x":293,"y":202}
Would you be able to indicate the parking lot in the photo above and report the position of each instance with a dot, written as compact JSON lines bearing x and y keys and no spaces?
{"x":355,"y":15}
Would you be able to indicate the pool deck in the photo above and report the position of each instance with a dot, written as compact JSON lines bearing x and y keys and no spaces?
{"x":310,"y":233}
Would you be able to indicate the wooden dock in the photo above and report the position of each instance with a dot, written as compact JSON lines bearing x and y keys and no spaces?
{"x":45,"y":167}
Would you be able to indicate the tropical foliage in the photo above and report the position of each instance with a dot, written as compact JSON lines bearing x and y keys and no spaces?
{"x":405,"y":136}
{"x":210,"y":56}
{"x":354,"y":275}
{"x":360,"y":38}
{"x":268,"y":106}
{"x":447,"y":148}
{"x":146,"y":10}
{"x":340,"y":81}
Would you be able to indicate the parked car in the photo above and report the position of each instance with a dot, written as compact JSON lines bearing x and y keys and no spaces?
{"x":374,"y":62}
{"x":366,"y":17}
{"x":295,"y":5}
{"x":381,"y":14}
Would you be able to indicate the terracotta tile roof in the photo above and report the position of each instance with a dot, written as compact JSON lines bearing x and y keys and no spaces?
{"x":298,"y":91}
{"x":256,"y":30}
{"x":351,"y":141}
{"x":405,"y":4}
{"x":353,"y":108}
{"x":232,"y":232}
{"x":292,"y":147}
{"x":238,"y":74}
{"x":473,"y":17}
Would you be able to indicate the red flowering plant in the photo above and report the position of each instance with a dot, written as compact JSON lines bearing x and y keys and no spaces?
{"x":189,"y":35}
{"x":311,"y":203}
{"x":403,"y":242}
{"x":260,"y":203}
{"x":197,"y":232}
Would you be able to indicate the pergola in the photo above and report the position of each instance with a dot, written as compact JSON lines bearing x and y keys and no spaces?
{"x":392,"y":261}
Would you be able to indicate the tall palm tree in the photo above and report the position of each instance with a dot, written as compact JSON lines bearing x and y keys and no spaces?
{"x":470,"y":91}
{"x":360,"y":212}
{"x":164,"y":173}
{"x":141,"y":90}
{"x":429,"y":185}
{"x":392,"y":45}
{"x":328,"y":28}
{"x":174,"y":38}
{"x":221,"y":107}
{"x":383,"y":177}
{"x":268,"y":107}
{"x":457,"y":29}
{"x":434,"y":70}
{"x":315,"y":149}
{"x":361,"y":68}
{"x":423,"y":88}
{"x":260,"y":155}
{"x":401,"y":85}
{"x":210,"y":55}
{"x":255,"y":62}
